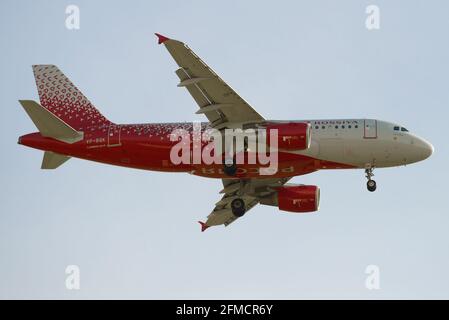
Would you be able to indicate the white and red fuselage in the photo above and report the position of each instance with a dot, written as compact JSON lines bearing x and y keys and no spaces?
{"x":334,"y":144}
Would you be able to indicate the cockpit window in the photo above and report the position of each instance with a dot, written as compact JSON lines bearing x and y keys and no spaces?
{"x":396,"y":128}
{"x":403,"y":129}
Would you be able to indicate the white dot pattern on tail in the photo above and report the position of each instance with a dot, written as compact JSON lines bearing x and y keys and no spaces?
{"x":60,"y":96}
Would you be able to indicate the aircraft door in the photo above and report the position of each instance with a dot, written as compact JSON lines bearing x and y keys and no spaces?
{"x":114,"y":135}
{"x":370,"y":129}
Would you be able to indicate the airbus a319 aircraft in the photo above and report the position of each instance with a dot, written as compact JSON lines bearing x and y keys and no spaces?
{"x":70,"y":126}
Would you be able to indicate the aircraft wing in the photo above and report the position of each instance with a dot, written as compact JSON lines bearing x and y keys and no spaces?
{"x":215,"y":98}
{"x":251,"y":191}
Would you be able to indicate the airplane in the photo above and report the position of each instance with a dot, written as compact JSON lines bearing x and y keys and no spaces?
{"x":70,"y":126}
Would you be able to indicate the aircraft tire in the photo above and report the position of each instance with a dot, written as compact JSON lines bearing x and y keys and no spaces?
{"x":230,"y":169}
{"x":371,"y":185}
{"x":238,"y":207}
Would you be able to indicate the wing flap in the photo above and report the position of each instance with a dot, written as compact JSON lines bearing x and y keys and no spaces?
{"x":219,"y":217}
{"x":207,"y":88}
{"x":252,"y":192}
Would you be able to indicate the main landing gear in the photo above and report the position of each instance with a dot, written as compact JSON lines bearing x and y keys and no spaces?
{"x":371,"y":184}
{"x":238,"y":207}
{"x":230,"y":167}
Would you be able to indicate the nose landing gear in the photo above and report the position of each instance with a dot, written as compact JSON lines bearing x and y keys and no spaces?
{"x":371,"y":184}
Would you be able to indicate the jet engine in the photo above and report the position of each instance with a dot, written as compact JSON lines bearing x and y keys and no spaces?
{"x":292,"y":135}
{"x":294,"y":198}
{"x":300,"y":198}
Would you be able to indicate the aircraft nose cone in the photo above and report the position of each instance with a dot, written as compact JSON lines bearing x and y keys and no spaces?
{"x":426,"y":148}
{"x":429,"y":149}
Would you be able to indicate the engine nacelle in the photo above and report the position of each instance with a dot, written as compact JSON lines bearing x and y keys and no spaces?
{"x":292,"y":135}
{"x":299,"y":198}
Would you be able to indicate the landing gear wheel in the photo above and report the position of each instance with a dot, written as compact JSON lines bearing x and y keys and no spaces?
{"x":371,"y":185}
{"x":238,"y":207}
{"x":230,"y":167}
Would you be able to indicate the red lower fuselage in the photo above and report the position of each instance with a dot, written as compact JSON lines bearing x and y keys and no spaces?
{"x":148,"y":147}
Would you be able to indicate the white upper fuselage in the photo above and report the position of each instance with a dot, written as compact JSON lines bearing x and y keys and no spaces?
{"x":365,"y":143}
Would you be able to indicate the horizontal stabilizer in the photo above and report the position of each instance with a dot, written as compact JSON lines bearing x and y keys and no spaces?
{"x":53,"y":160}
{"x":50,"y":125}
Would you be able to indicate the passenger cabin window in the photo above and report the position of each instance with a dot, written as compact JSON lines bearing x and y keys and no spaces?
{"x":403,"y":129}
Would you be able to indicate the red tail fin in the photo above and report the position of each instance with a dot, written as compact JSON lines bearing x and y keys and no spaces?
{"x":60,"y":96}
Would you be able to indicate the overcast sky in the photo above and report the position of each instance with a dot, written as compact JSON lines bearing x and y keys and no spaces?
{"x":134,"y":234}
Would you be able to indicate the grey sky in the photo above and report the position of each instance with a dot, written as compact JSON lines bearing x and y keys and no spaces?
{"x":134,"y":233}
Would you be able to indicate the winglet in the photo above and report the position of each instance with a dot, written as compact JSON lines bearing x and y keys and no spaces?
{"x":160,"y":38}
{"x":203,"y":226}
